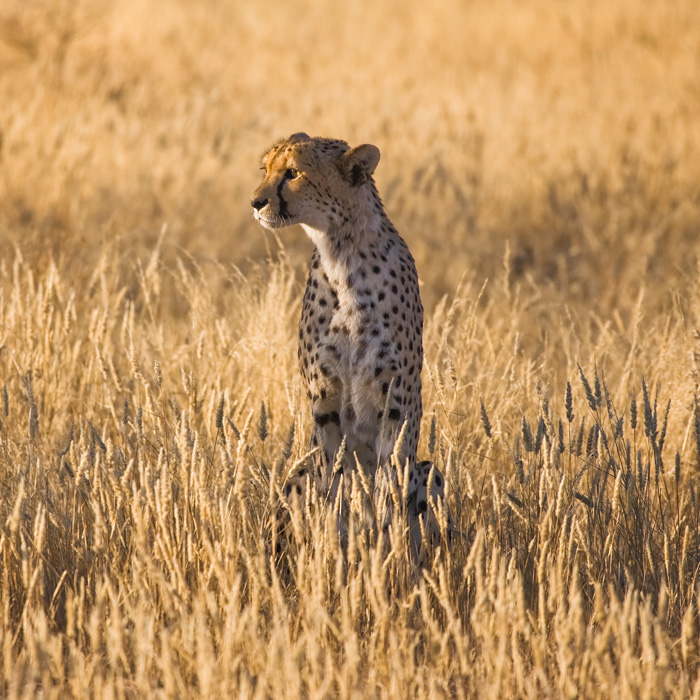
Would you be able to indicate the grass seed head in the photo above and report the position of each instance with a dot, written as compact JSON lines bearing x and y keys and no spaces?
{"x":561,"y":446}
{"x":528,"y":441}
{"x":540,"y":435}
{"x":592,"y":403}
{"x":485,"y":419}
{"x":569,"y":403}
{"x":578,"y":445}
{"x":262,"y":422}
{"x":219,"y":418}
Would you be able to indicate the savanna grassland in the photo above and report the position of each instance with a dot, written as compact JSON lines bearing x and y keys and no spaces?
{"x":541,"y":159}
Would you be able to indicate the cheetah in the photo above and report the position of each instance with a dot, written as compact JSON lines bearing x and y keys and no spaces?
{"x":360,"y":334}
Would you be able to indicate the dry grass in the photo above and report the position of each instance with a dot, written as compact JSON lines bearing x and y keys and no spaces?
{"x":542,"y":160}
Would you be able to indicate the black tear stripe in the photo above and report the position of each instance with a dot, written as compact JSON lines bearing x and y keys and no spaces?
{"x":284,"y":212}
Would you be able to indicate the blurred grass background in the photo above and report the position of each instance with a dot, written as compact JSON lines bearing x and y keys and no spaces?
{"x":565,"y":133}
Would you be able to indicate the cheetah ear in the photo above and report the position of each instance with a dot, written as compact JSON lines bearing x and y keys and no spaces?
{"x":299,"y":136}
{"x":358,"y":164}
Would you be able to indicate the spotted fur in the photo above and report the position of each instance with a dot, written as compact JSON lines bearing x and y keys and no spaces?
{"x":360,"y":333}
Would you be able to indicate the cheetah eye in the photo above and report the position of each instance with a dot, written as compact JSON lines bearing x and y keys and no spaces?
{"x":291,"y":174}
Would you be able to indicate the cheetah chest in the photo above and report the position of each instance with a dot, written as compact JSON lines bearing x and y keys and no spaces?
{"x":357,"y":343}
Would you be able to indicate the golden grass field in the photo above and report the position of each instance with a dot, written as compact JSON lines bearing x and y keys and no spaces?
{"x":541,"y":159}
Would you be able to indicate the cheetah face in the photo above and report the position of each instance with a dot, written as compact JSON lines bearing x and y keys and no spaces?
{"x":311,"y":181}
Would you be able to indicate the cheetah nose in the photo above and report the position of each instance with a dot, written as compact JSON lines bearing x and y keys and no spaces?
{"x":258,"y":204}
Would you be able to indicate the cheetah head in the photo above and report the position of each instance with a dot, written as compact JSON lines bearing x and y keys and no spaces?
{"x":312,"y":181}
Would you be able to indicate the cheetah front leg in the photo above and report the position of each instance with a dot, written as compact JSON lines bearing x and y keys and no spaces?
{"x":327,"y":438}
{"x":428,"y":518}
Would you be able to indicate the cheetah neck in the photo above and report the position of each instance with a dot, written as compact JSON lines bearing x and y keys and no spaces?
{"x":340,"y":242}
{"x":341,"y":261}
